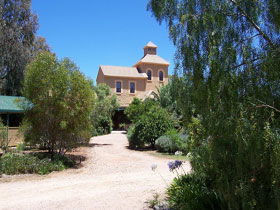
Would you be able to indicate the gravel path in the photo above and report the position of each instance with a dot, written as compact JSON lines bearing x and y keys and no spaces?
{"x":113,"y":177}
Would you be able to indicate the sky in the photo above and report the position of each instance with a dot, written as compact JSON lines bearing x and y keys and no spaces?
{"x":103,"y":32}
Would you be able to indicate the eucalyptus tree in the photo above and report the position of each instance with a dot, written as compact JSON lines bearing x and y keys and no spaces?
{"x":227,"y":83}
{"x":18,"y":26}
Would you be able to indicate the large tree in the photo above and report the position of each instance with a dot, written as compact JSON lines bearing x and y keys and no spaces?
{"x":228,"y":82}
{"x":62,"y":101}
{"x":18,"y":26}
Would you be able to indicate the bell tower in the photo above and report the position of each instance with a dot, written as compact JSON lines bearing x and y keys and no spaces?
{"x":150,"y":49}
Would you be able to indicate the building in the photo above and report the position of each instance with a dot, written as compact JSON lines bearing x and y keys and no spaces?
{"x":12,"y":114}
{"x":140,"y":80}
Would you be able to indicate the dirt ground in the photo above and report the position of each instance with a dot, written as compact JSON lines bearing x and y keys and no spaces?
{"x":113,"y":177}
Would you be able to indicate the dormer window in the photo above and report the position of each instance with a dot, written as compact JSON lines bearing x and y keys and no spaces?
{"x":149,"y":74}
{"x":118,"y":87}
{"x":160,"y":76}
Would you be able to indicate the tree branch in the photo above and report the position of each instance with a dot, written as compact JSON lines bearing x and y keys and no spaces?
{"x":263,"y":34}
{"x":245,"y":62}
{"x":267,"y":106}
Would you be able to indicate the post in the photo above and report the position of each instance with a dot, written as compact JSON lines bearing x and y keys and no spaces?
{"x":8,"y":124}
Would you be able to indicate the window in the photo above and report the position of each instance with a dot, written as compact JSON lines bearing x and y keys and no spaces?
{"x":132,"y":87}
{"x":149,"y":73}
{"x":160,"y":76}
{"x":118,"y":87}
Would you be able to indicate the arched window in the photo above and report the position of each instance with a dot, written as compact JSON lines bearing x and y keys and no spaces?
{"x":160,"y":75}
{"x":149,"y":73}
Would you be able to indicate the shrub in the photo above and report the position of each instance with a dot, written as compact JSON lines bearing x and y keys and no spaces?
{"x":15,"y":163}
{"x":62,"y":102}
{"x":134,"y":142}
{"x":191,"y":192}
{"x":171,"y":142}
{"x":151,"y":125}
{"x":21,"y":147}
{"x":4,"y":141}
{"x":103,"y":111}
{"x":137,"y":108}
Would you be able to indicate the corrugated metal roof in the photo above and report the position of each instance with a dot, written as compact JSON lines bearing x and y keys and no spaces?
{"x":121,"y":71}
{"x":155,"y":59}
{"x":9,"y":104}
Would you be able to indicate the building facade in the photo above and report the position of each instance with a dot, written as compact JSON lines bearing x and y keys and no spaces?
{"x":140,"y":80}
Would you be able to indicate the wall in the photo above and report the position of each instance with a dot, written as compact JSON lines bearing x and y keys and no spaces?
{"x":155,"y":68}
{"x":125,"y":97}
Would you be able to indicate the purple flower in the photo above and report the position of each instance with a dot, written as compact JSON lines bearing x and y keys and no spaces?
{"x":173,"y":165}
{"x":178,"y":163}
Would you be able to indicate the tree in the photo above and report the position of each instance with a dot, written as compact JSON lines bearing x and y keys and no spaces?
{"x":61,"y":100}
{"x":104,"y":109}
{"x":17,"y":32}
{"x":227,"y":86}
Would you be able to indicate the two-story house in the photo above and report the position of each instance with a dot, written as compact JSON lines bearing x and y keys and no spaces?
{"x":140,"y":80}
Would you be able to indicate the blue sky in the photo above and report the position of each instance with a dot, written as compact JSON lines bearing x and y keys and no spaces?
{"x":107,"y":32}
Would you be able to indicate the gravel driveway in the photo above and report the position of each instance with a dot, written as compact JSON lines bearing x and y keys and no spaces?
{"x":113,"y":177}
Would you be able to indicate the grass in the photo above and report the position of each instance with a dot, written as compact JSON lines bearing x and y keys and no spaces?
{"x":168,"y":156}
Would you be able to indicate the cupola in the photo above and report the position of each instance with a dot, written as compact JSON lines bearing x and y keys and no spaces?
{"x":150,"y":49}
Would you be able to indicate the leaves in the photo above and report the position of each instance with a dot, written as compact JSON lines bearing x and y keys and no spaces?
{"x":62,"y":100}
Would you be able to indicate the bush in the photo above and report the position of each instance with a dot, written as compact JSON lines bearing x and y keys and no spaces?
{"x":150,"y":126}
{"x":192,"y":192}
{"x":134,"y":142}
{"x":137,"y":108}
{"x":103,"y":111}
{"x":171,"y":142}
{"x":4,"y":141}
{"x":16,"y":163}
{"x":21,"y":147}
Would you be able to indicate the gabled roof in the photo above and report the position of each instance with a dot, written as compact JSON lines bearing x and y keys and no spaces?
{"x":10,"y":104}
{"x":154,"y":59}
{"x":121,"y":71}
{"x":150,"y":44}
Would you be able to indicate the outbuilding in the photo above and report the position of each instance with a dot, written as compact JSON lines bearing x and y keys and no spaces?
{"x":11,"y":114}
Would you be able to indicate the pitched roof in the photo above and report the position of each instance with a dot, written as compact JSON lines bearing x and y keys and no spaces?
{"x":155,"y":59}
{"x":150,"y":44}
{"x":9,"y":104}
{"x":122,"y":71}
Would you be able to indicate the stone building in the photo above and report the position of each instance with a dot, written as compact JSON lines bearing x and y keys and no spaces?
{"x":140,"y":80}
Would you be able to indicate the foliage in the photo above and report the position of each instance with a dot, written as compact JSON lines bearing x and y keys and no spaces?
{"x":150,"y":126}
{"x":21,"y":147}
{"x":227,"y":85}
{"x":4,"y":141}
{"x":18,"y":26}
{"x":167,"y":100}
{"x":137,"y":108}
{"x":62,"y":102}
{"x":171,"y":142}
{"x":133,"y":140}
{"x":192,"y":191}
{"x":154,"y":202}
{"x":16,"y":163}
{"x":104,"y":108}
